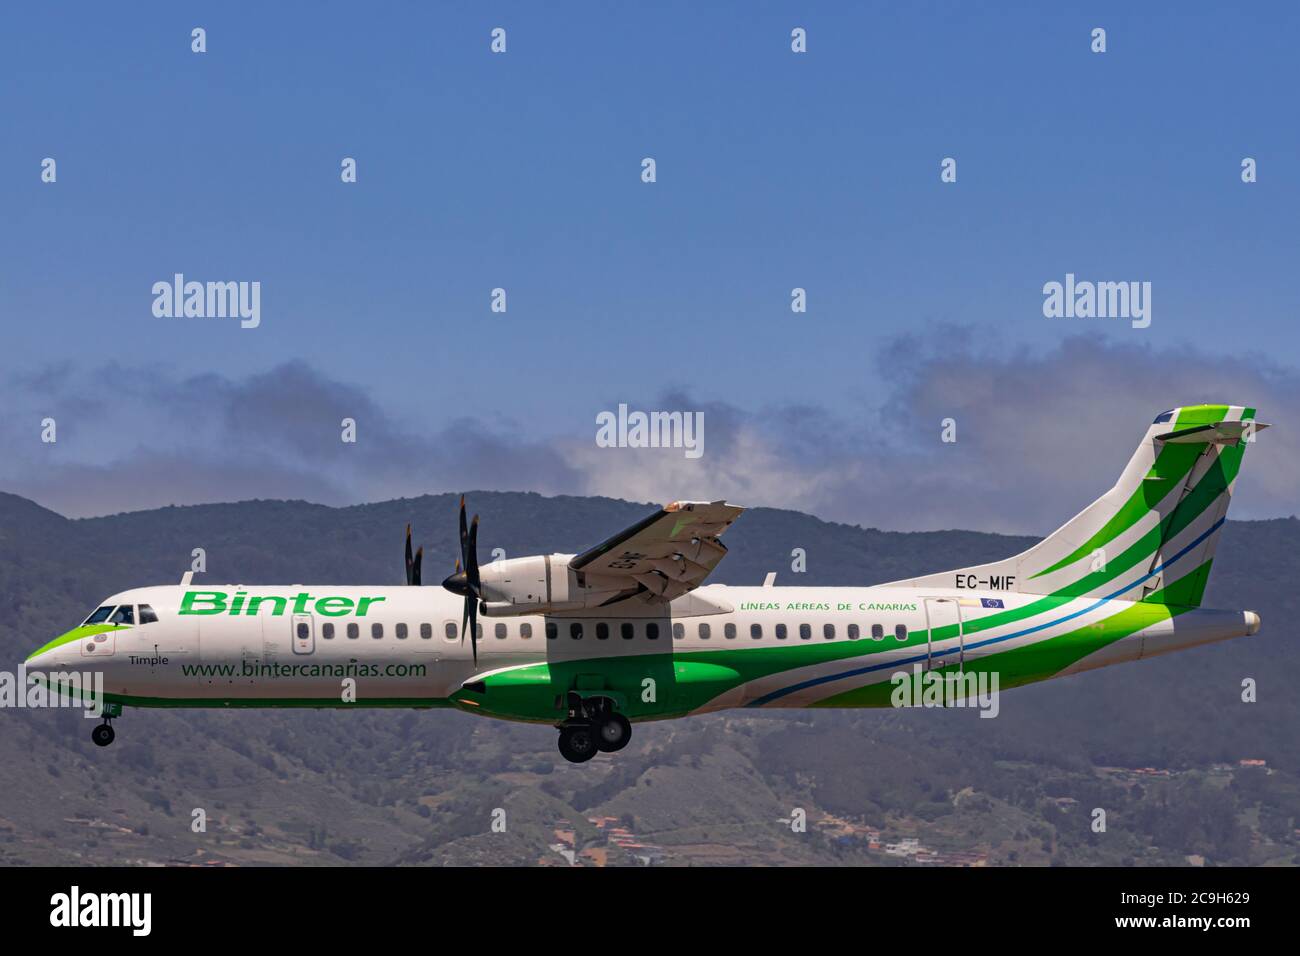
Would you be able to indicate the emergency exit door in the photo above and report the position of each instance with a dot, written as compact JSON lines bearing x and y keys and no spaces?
{"x":304,"y":634}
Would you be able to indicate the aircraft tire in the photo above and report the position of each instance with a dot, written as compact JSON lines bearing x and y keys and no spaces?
{"x":578,"y":743}
{"x":613,"y":733}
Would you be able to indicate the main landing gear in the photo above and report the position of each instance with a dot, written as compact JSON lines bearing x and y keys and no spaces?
{"x":592,"y":726}
{"x":103,"y":734}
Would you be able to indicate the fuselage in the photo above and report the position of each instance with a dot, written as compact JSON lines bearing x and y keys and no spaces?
{"x":628,"y":631}
{"x":720,"y":647}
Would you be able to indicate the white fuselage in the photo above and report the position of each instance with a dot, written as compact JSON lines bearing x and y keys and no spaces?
{"x":402,"y":645}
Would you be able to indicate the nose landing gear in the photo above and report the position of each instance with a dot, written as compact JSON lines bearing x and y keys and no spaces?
{"x":103,"y":734}
{"x":592,"y":726}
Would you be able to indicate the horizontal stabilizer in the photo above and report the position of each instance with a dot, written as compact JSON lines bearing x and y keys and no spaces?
{"x":1214,"y":433}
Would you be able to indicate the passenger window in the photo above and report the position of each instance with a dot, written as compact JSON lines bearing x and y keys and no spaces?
{"x":401,"y":632}
{"x":729,"y":631}
{"x":627,"y":630}
{"x":376,"y":630}
{"x":303,"y":631}
{"x":828,"y":631}
{"x":900,"y":632}
{"x":679,"y":631}
{"x":353,"y":631}
{"x":100,"y":615}
{"x":525,"y":630}
{"x":602,"y":631}
{"x":327,"y":631}
{"x":780,"y":632}
{"x":552,"y":632}
{"x":704,"y":631}
{"x":756,"y":631}
{"x":805,"y":632}
{"x":501,"y":630}
{"x":478,"y":632}
{"x":147,"y":616}
{"x":426,"y":631}
{"x":652,"y":631}
{"x":877,"y":632}
{"x":449,"y":630}
{"x":124,"y":615}
{"x":575,"y":631}
{"x":853,"y":632}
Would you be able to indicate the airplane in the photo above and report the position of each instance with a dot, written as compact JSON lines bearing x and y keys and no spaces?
{"x":627,"y":631}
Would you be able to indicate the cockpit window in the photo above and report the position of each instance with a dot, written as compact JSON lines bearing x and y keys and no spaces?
{"x":123,"y":615}
{"x":100,"y":616}
{"x":147,"y":616}
{"x":1164,"y":417}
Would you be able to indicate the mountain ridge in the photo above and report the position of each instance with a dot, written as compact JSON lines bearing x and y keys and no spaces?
{"x":336,"y":787}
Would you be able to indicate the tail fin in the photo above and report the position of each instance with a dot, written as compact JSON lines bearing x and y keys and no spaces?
{"x":1152,"y":536}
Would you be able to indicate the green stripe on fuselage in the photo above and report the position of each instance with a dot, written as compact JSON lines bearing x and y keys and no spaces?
{"x":1033,"y":662}
{"x":76,"y":634}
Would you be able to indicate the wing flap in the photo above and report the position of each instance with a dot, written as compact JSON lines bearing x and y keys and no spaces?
{"x":667,"y":553}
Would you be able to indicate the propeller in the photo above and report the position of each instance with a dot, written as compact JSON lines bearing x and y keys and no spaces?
{"x":466,"y":582}
{"x":413,"y":565}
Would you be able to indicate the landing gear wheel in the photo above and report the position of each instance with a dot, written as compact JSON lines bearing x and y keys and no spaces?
{"x":577,"y":744}
{"x":103,"y":735}
{"x":612,"y":733}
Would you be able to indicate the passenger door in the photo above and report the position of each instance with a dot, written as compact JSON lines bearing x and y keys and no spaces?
{"x":944,"y":615}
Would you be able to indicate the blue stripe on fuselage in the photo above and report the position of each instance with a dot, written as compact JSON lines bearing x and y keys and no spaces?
{"x":814,"y":681}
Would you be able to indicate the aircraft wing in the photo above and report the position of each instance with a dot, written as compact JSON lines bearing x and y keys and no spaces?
{"x":662,"y":556}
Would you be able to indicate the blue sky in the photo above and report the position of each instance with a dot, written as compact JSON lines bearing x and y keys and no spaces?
{"x":775,"y":170}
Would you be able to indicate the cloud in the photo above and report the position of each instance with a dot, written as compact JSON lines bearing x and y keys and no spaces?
{"x":144,"y":442}
{"x":1039,"y":436}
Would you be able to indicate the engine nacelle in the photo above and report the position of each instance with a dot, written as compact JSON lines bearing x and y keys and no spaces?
{"x":522,"y":582}
{"x":541,"y":584}
{"x":546,"y":584}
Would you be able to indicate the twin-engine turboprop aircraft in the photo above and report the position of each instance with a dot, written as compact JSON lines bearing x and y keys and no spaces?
{"x":624,"y":632}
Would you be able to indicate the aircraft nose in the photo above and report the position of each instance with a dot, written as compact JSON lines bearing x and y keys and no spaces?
{"x":54,"y":653}
{"x":42,"y":661}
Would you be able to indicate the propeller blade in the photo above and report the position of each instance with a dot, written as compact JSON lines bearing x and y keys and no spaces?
{"x":471,"y":563}
{"x":464,"y":620}
{"x":464,"y":532}
{"x":468,"y":561}
{"x":472,"y":605}
{"x":415,"y":567}
{"x":408,"y":554}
